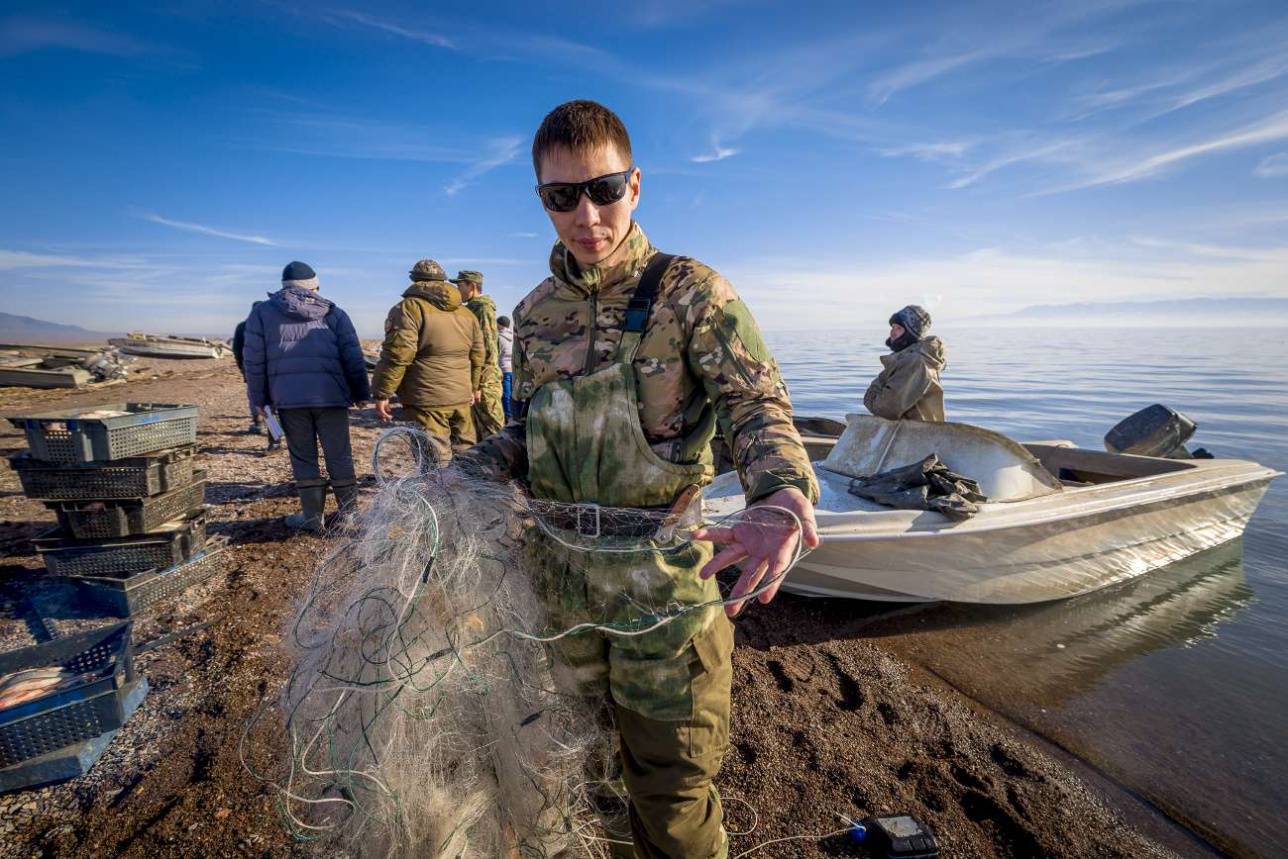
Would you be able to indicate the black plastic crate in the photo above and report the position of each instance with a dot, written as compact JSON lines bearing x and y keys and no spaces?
{"x":94,"y":519}
{"x":71,"y":436}
{"x":71,"y":715}
{"x":74,"y":760}
{"x":135,"y":477}
{"x":126,"y":596}
{"x":123,"y":556}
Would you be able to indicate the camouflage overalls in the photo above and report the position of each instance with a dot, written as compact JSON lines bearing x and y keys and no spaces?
{"x":488,"y":415}
{"x":625,"y":420}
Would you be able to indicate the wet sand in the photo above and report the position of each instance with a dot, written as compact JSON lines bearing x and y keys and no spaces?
{"x":827,"y":721}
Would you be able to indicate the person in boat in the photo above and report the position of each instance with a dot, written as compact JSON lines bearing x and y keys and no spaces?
{"x":487,"y":411}
{"x":625,"y":359}
{"x":303,"y":358}
{"x":432,"y":358}
{"x":908,"y":387}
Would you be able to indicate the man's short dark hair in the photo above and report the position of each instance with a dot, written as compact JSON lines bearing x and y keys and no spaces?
{"x":579,"y":125}
{"x":503,"y":320}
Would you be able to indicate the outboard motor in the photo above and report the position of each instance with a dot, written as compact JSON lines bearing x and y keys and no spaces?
{"x":1152,"y":431}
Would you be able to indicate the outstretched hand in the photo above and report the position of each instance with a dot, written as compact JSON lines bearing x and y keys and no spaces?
{"x":383,"y":412}
{"x":764,"y":543}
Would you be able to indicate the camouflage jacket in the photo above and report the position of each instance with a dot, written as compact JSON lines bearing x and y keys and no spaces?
{"x":702,"y":352}
{"x":484,"y":310}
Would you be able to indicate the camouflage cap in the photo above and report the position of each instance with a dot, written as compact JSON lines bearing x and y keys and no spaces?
{"x":427,"y":269}
{"x":471,"y":276}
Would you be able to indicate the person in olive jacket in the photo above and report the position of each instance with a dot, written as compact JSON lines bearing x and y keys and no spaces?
{"x":303,"y":357}
{"x":432,"y":358}
{"x":908,"y":386}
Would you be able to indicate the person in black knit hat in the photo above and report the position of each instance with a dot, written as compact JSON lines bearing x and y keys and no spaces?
{"x":302,"y":357}
{"x":908,"y":387}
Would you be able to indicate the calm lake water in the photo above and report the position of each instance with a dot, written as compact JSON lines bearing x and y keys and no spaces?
{"x":1175,"y":685}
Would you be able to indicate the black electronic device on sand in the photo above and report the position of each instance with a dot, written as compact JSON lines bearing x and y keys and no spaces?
{"x":898,"y":837}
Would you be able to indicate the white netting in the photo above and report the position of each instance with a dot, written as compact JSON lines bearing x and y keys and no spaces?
{"x":422,"y":716}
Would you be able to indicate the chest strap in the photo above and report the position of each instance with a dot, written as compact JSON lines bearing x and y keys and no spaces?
{"x":640,"y":307}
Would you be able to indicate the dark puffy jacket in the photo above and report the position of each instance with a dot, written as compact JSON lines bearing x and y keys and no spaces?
{"x":239,"y":345}
{"x":302,"y":351}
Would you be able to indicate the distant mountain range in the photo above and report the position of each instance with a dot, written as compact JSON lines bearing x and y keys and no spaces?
{"x":1205,"y":310}
{"x":25,"y":329}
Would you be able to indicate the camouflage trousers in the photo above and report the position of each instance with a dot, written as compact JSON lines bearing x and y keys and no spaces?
{"x":451,"y":425}
{"x":489,"y":417}
{"x":667,"y":690}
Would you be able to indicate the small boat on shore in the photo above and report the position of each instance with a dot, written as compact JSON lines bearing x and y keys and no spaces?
{"x":40,"y":366}
{"x":1059,"y":521}
{"x":153,"y":346}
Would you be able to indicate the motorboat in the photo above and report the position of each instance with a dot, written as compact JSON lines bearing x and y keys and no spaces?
{"x":153,"y":346}
{"x":1059,"y":521}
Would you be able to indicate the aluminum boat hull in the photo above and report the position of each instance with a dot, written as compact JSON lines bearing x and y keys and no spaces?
{"x":1061,"y":545}
{"x":168,"y":348}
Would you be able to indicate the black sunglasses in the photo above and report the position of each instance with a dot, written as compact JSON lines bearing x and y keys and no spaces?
{"x":602,"y":191}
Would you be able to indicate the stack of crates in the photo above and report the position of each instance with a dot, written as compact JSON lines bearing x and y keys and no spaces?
{"x":130,"y":503}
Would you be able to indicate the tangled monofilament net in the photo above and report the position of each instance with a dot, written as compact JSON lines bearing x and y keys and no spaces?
{"x":423,"y":714}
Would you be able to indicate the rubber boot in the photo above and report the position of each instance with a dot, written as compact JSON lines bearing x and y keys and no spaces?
{"x":312,"y":500}
{"x":346,"y":499}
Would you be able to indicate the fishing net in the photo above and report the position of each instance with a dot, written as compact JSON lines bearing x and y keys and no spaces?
{"x":425,"y":715}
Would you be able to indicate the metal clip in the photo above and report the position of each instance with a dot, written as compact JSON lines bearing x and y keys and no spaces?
{"x":581,"y":509}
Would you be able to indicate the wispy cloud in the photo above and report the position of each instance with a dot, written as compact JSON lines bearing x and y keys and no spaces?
{"x":10,"y":260}
{"x":425,"y":37}
{"x":23,"y":35}
{"x":1232,"y":66}
{"x":962,"y":42}
{"x":1025,"y":151}
{"x":1273,"y":166}
{"x":202,"y":229}
{"x":338,"y":136}
{"x":1268,"y":130}
{"x":718,"y":153}
{"x":499,"y":151}
{"x":525,"y":235}
{"x":934,"y":150}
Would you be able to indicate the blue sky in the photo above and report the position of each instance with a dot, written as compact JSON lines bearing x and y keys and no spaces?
{"x":835,"y":161}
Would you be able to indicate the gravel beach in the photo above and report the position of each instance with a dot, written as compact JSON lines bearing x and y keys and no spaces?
{"x":827,"y":723}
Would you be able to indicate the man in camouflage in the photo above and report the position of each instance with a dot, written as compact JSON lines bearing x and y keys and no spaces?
{"x":487,"y":411}
{"x":432,"y":358}
{"x":617,"y":409}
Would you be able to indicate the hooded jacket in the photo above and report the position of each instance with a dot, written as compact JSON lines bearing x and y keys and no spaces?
{"x":908,"y":385}
{"x":505,"y":345}
{"x":433,"y":350}
{"x":301,"y":351}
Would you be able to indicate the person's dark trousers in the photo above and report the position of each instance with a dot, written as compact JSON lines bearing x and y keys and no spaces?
{"x":304,"y":428}
{"x":507,"y":386}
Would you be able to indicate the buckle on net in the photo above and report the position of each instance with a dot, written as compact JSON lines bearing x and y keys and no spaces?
{"x":595,"y":520}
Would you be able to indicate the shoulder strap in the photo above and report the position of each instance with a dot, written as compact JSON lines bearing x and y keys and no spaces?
{"x":641,"y":306}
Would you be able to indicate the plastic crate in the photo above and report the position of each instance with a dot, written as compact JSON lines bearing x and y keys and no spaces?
{"x":126,"y":596}
{"x":124,"y":518}
{"x":73,"y":715}
{"x":68,"y":436}
{"x":136,"y":477}
{"x":123,"y":556}
{"x":74,"y":760}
